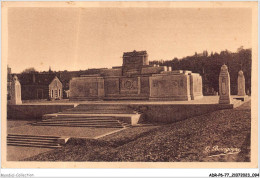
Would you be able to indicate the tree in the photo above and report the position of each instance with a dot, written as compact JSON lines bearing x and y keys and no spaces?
{"x":241,"y":48}
{"x":205,"y":53}
{"x":29,"y":70}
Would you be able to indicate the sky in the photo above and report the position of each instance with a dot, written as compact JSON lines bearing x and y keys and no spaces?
{"x":82,"y":38}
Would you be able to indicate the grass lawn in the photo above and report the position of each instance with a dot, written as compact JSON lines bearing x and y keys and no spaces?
{"x":183,"y":141}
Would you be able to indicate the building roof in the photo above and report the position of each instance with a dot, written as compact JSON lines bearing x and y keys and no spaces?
{"x":134,"y":53}
{"x":36,"y":79}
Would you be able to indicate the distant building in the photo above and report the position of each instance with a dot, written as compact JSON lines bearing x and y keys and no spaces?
{"x":55,"y":89}
{"x":37,"y":86}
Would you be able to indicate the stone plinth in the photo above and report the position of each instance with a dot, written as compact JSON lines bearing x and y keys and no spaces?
{"x":87,"y":87}
{"x":15,"y":92}
{"x":195,"y":86}
{"x":224,"y":86}
{"x":167,"y":86}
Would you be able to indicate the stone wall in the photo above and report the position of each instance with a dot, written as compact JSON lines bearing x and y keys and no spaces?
{"x":87,"y":87}
{"x":111,"y":86}
{"x":126,"y":87}
{"x":168,"y":86}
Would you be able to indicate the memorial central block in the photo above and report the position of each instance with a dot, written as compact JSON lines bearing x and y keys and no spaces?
{"x":136,"y":79}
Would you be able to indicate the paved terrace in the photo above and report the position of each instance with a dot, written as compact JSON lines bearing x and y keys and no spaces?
{"x":204,"y":100}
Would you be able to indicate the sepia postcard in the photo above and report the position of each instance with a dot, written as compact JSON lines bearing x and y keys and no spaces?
{"x":129,"y":85}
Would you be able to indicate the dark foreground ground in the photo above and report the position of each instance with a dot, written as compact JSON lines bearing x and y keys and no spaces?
{"x":202,"y":138}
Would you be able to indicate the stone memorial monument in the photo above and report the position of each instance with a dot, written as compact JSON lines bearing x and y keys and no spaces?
{"x":241,"y":91}
{"x":224,"y":86}
{"x":15,"y":92}
{"x":241,"y":88}
{"x":137,"y":80}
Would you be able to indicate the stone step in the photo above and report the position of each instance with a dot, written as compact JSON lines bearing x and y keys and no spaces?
{"x":81,"y":125}
{"x":132,"y":118}
{"x":99,"y":109}
{"x":103,"y":106}
{"x":77,"y":123}
{"x":33,"y":141}
{"x":32,"y":136}
{"x":34,"y":145}
{"x":75,"y":116}
{"x":123,"y":117}
{"x":112,"y":122}
{"x":99,"y":112}
{"x":88,"y":115}
{"x":79,"y":120}
{"x":74,"y":122}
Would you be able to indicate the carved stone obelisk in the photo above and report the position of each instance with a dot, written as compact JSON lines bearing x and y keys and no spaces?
{"x":241,"y":89}
{"x":224,"y":86}
{"x":15,"y":91}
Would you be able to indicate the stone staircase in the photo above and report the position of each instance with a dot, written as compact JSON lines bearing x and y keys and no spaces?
{"x":82,"y":121}
{"x":34,"y":141}
{"x":101,"y":109}
{"x":93,"y":115}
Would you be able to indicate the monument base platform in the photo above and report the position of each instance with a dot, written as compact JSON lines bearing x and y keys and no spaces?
{"x":132,"y":112}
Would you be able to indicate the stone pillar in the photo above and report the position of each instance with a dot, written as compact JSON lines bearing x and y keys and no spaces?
{"x":15,"y":91}
{"x":241,"y":91}
{"x":224,"y":86}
